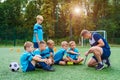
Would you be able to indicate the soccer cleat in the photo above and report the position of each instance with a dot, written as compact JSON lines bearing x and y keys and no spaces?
{"x":99,"y":66}
{"x":107,"y":63}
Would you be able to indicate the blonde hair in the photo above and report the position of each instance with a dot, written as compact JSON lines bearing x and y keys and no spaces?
{"x":50,"y":42}
{"x":71,"y":42}
{"x":27,"y":44}
{"x":83,"y":32}
{"x":39,"y":17}
{"x":63,"y":43}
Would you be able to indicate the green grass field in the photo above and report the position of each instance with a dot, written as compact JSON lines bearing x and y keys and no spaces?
{"x":73,"y":72}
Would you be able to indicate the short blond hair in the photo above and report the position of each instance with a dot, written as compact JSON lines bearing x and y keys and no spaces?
{"x":49,"y":42}
{"x":71,"y":42}
{"x":39,"y":17}
{"x":27,"y":44}
{"x":83,"y":32}
{"x":63,"y":43}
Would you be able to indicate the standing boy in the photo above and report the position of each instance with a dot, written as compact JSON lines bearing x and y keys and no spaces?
{"x":38,"y":31}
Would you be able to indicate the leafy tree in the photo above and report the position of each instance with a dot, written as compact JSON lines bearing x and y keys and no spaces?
{"x":10,"y":17}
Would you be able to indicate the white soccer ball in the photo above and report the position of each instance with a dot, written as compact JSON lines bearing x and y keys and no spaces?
{"x":14,"y":66}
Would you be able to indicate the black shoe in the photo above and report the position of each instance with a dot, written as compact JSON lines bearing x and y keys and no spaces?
{"x":107,"y":63}
{"x":51,"y":69}
{"x":99,"y":66}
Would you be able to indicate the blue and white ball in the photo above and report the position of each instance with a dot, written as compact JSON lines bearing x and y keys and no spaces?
{"x":14,"y":66}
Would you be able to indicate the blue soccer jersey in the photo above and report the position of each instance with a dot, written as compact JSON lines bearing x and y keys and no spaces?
{"x":59,"y":55}
{"x":39,"y":31}
{"x":37,"y":52}
{"x":94,"y":40}
{"x":50,"y":50}
{"x":73,"y":56}
{"x":25,"y":58}
{"x":45,"y":53}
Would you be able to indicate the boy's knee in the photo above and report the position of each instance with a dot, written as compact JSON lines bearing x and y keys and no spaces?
{"x":62,"y":63}
{"x":96,"y":50}
{"x":89,"y":64}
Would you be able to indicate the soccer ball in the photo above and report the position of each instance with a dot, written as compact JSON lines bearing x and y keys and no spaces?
{"x":14,"y":66}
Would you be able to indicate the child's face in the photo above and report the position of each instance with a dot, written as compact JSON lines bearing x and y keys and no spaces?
{"x":30,"y":49}
{"x":73,"y":45}
{"x":39,"y":21}
{"x":42,"y":47}
{"x":51,"y":45}
{"x":65,"y":46}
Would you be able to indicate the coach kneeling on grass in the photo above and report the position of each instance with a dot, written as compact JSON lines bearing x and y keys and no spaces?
{"x":99,"y":47}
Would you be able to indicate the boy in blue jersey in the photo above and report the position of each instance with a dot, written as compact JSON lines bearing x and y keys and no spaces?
{"x":99,"y":47}
{"x":43,"y":52}
{"x":73,"y":54}
{"x":38,"y":31}
{"x":28,"y":60}
{"x":59,"y":56}
{"x":50,"y":46}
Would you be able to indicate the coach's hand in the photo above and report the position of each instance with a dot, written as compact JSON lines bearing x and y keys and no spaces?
{"x":86,"y":53}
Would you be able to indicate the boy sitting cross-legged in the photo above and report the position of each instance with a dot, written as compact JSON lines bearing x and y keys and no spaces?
{"x":50,"y":46}
{"x":28,"y":60}
{"x":43,"y":52}
{"x":73,"y":54}
{"x":58,"y":57}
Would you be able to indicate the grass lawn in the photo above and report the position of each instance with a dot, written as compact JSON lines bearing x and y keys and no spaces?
{"x":76,"y":72}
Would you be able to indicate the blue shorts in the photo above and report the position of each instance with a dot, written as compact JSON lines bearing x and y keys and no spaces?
{"x":57,"y":62}
{"x":30,"y":67}
{"x":105,"y":55}
{"x":36,"y":45}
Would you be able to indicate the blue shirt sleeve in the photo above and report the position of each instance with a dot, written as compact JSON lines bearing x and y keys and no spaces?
{"x":96,"y":37}
{"x":30,"y":58}
{"x":76,"y":50}
{"x":36,"y":52}
{"x":27,"y":56}
{"x":35,"y":28}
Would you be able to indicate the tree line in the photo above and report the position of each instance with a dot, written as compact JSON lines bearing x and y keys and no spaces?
{"x":17,"y":18}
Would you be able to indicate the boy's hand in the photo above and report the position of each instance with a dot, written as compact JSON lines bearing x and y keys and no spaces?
{"x":45,"y":60}
{"x":50,"y":61}
{"x":51,"y":55}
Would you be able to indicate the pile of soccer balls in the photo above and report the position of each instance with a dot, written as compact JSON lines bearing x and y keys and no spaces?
{"x":14,"y":66}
